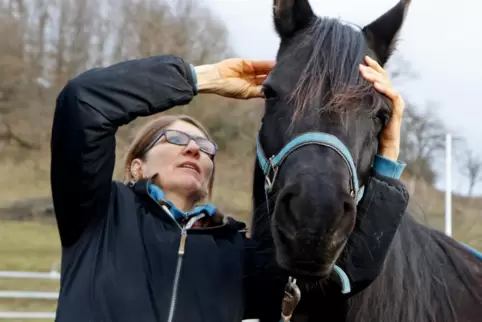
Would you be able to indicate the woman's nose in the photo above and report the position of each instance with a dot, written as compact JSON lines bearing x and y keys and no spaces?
{"x":192,"y":148}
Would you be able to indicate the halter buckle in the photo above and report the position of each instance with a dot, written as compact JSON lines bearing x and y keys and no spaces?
{"x":269,"y":182}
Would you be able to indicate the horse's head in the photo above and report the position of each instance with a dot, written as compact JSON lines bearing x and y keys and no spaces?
{"x":316,"y":86}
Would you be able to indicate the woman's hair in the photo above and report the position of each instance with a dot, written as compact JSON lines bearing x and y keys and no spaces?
{"x":149,"y":132}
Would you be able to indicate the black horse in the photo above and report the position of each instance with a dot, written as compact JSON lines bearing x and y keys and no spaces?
{"x":316,"y":87}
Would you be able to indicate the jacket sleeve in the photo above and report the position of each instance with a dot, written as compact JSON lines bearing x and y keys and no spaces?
{"x":387,"y":167}
{"x":379,"y":215}
{"x":88,"y":112}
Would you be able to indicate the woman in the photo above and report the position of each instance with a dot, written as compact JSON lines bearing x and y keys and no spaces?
{"x":142,"y":251}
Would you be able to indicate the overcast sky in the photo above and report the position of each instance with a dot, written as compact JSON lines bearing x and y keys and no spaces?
{"x":441,"y":39}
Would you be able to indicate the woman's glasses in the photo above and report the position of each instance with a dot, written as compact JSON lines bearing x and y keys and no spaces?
{"x":181,"y":138}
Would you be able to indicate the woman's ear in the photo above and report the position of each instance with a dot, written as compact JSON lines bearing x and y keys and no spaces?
{"x":136,"y":169}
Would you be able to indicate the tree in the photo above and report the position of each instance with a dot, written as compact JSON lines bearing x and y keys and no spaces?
{"x":472,"y":170}
{"x":47,"y":42}
{"x":423,"y":137}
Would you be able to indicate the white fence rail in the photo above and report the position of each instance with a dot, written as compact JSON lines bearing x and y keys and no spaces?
{"x":29,"y":295}
{"x":52,"y":275}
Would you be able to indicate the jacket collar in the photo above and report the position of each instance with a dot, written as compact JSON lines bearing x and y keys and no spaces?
{"x":141,"y":188}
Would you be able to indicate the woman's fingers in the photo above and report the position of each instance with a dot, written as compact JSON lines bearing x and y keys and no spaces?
{"x":261,"y":66}
{"x":390,"y":92}
{"x":373,"y":76}
{"x":369,"y":74}
{"x":257,"y":91}
{"x":395,"y":97}
{"x":260,"y":79}
{"x":375,"y":65}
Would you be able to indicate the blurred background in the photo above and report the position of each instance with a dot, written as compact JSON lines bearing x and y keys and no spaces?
{"x":43,"y":43}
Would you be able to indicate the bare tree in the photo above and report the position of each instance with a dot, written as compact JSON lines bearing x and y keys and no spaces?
{"x":472,"y":170}
{"x":46,"y":42}
{"x":17,"y":80}
{"x":423,"y":136}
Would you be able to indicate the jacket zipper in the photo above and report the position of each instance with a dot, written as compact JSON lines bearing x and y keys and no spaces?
{"x":180,"y":252}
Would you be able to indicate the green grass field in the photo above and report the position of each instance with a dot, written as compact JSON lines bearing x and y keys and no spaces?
{"x":28,"y":246}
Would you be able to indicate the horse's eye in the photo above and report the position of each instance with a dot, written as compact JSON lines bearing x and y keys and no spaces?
{"x":269,"y":92}
{"x":383,"y":117}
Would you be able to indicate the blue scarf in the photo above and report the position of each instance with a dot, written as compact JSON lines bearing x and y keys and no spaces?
{"x":158,"y":194}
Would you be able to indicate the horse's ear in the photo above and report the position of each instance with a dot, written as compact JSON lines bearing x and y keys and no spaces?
{"x":291,"y":16}
{"x":382,"y":33}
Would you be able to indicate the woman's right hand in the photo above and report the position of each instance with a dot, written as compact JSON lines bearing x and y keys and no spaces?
{"x":234,"y":78}
{"x":390,"y":137}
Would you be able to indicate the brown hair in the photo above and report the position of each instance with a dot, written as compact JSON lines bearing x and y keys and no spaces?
{"x":148,"y":133}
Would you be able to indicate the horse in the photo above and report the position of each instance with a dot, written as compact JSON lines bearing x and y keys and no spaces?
{"x":320,"y":114}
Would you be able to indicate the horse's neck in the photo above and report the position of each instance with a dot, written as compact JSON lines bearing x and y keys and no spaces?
{"x":426,"y":278}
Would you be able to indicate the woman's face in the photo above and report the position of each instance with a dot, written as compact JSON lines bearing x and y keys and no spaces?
{"x":182,"y":169}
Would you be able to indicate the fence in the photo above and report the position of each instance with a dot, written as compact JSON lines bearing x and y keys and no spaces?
{"x":28,"y":295}
{"x":53,"y":275}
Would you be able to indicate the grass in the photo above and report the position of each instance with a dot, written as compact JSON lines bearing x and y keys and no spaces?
{"x":28,"y":246}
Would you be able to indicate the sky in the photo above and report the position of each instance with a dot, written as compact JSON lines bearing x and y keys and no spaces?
{"x":441,"y":39}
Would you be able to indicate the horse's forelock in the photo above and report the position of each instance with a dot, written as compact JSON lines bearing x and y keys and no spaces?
{"x":330,"y":80}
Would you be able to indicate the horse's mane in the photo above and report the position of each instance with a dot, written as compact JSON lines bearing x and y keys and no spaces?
{"x":331,"y":74}
{"x":427,"y":276}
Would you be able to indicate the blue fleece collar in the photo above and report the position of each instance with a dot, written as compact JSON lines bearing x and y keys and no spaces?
{"x":158,"y":194}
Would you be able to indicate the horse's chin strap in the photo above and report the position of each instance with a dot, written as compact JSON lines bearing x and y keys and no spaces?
{"x":270,"y":169}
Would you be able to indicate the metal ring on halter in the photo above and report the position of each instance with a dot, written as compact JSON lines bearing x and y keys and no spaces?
{"x":270,"y":181}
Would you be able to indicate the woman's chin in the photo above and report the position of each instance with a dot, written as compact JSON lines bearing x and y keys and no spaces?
{"x":185,"y":184}
{"x":192,"y":187}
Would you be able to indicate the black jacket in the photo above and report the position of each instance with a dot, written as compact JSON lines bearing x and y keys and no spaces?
{"x":119,"y":248}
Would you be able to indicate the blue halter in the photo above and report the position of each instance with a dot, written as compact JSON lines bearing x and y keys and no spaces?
{"x":270,"y":167}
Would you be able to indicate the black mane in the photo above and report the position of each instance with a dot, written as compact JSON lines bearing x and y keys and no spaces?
{"x":331,"y":74}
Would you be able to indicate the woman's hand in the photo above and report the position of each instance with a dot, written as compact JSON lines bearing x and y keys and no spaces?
{"x":235,"y":78}
{"x":390,"y":138}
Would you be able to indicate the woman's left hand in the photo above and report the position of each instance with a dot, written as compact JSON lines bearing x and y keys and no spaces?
{"x":234,"y":78}
{"x":390,"y":138}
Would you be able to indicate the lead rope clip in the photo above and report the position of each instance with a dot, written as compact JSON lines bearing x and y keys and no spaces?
{"x":290,"y":300}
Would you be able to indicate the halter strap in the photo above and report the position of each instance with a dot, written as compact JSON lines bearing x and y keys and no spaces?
{"x":271,"y":165}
